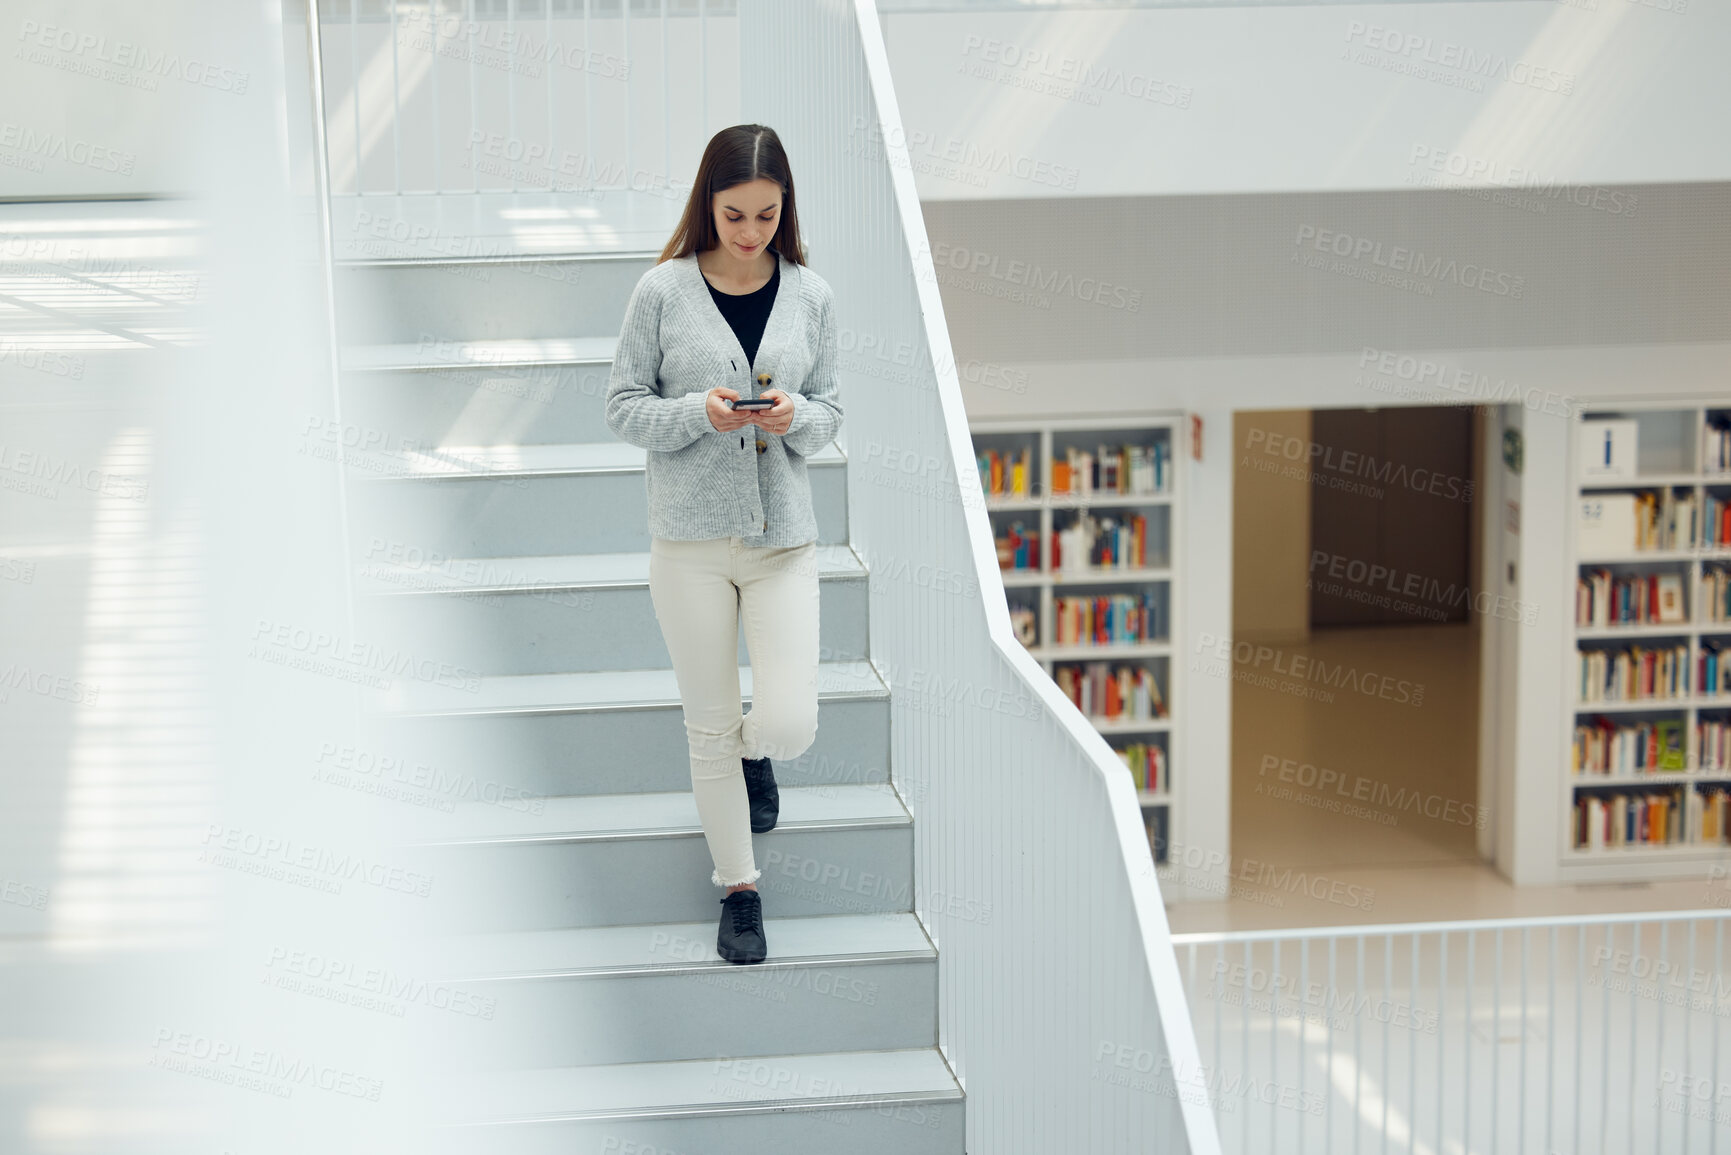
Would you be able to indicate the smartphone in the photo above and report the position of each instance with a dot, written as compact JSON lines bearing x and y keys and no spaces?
{"x":756,"y":403}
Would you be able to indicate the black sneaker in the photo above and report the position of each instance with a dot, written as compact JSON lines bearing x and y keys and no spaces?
{"x":741,"y":937}
{"x":760,"y":791}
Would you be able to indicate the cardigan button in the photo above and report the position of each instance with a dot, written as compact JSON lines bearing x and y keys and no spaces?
{"x":762,"y":445}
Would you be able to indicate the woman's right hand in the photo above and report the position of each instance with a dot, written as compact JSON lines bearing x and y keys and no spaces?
{"x":722,"y":416}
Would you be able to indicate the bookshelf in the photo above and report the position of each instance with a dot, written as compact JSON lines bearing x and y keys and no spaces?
{"x":1086,"y":515}
{"x":1648,"y":707}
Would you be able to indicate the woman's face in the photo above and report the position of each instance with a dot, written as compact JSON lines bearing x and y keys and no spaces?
{"x":746,"y":217}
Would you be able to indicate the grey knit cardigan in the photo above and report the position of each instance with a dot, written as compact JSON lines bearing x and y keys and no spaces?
{"x":674,"y":347}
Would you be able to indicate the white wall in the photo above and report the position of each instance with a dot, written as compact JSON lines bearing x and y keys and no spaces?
{"x":1285,"y":98}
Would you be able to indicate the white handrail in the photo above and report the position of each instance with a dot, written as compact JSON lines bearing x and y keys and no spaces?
{"x":327,"y":276}
{"x":1377,"y":930}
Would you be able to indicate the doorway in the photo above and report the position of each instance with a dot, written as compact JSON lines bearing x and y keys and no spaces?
{"x":1355,"y":701}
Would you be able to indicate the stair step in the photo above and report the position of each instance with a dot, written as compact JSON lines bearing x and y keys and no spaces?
{"x":495,"y":354}
{"x":513,"y":759}
{"x":522,"y":499}
{"x":675,"y":947}
{"x":503,"y":226}
{"x":582,"y":572}
{"x":488,"y":462}
{"x":691,"y":1086}
{"x":567,"y":613}
{"x":645,"y":993}
{"x":479,"y":291}
{"x":663,"y":814}
{"x":621,"y":859}
{"x":505,"y":395}
{"x":835,"y":1102}
{"x":597,"y":690}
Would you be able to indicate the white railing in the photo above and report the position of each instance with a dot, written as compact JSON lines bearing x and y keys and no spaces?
{"x":1060,"y":1004}
{"x":1593,"y":1035}
{"x":430,"y":97}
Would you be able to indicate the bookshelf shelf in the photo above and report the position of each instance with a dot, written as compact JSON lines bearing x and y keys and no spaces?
{"x":1130,"y":725}
{"x":1648,"y":630}
{"x":1658,"y":777}
{"x":1100,"y":576}
{"x":1092,"y":653}
{"x":1652,"y":481}
{"x":1136,"y":522}
{"x":1086,"y":576}
{"x":1680,"y":851}
{"x":1104,"y":498}
{"x":1072,"y":501}
{"x":1644,"y":556}
{"x":1650,"y":705}
{"x":1675,"y":498}
{"x":1024,"y":577}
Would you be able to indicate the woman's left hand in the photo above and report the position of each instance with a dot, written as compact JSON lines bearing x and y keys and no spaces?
{"x":775,"y":420}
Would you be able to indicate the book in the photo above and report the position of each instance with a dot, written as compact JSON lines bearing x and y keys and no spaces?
{"x":1677,"y":816}
{"x":1607,"y":448}
{"x":1112,"y":694}
{"x":1669,"y":594}
{"x":1006,"y":476}
{"x":1713,"y":673}
{"x":1018,"y":547}
{"x":1715,"y":596}
{"x":1716,"y":444}
{"x":1713,"y":744}
{"x":1147,"y":764}
{"x":1109,"y":619}
{"x":1605,"y":524}
{"x":1668,"y":738}
{"x":1634,"y":673}
{"x":1126,"y":470}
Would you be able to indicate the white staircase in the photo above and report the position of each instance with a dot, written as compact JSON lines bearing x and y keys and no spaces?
{"x":502,"y":530}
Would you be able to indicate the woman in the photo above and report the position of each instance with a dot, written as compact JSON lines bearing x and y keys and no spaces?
{"x":732,"y":531}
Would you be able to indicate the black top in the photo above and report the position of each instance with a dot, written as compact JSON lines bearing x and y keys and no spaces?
{"x":748,"y":313}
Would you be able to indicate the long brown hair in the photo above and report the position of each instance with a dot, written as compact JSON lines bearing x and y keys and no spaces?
{"x":735,"y":156}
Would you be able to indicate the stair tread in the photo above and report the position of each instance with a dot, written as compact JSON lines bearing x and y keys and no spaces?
{"x":560,"y":571}
{"x":453,"y":461}
{"x":503,"y":225}
{"x":659,"y":812}
{"x":649,"y":947}
{"x":713,"y":1084}
{"x":596,"y":690}
{"x":481,"y":354}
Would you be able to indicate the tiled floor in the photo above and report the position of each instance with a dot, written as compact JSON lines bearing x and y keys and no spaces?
{"x":1391,"y":863}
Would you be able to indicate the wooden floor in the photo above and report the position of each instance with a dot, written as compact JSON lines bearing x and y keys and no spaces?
{"x":1395,"y":830}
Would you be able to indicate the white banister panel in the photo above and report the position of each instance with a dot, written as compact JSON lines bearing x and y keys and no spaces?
{"x":1592,"y":1034}
{"x":1061,"y":1007}
{"x":428,"y":97}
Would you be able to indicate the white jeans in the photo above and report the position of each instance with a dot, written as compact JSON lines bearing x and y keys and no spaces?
{"x":702,"y":590}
